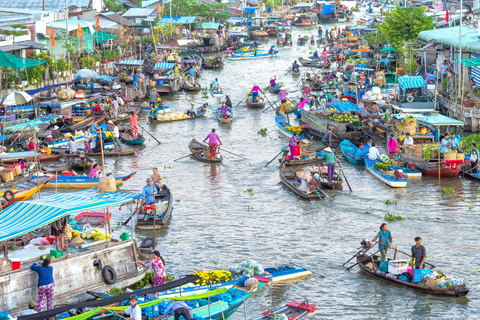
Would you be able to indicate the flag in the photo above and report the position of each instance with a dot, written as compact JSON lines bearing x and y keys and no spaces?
{"x":446,"y":16}
{"x":97,"y":24}
{"x":238,"y":5}
{"x":159,"y":9}
{"x":52,"y":37}
{"x":79,"y":31}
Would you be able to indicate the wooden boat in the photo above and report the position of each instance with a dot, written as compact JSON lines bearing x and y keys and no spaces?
{"x":388,"y":179}
{"x":271,"y":90}
{"x":80,"y":182}
{"x":255,"y":56}
{"x":195,"y":88}
{"x":197,"y":149}
{"x":124,"y":112}
{"x":224,"y":118}
{"x":215,"y":94}
{"x":290,"y":108}
{"x":12,"y":158}
{"x":335,"y":184}
{"x":349,"y":150}
{"x":80,"y":125}
{"x":298,"y":162}
{"x":448,"y":169}
{"x":313,"y":64}
{"x":251,"y":104}
{"x":145,"y":221}
{"x":295,"y":72}
{"x":293,"y":310}
{"x":454,"y":291}
{"x":129,"y":139}
{"x":94,"y":219}
{"x":58,"y":167}
{"x":199,"y":115}
{"x":113,"y":153}
{"x":26,"y":189}
{"x":471,"y":176}
{"x":289,"y":178}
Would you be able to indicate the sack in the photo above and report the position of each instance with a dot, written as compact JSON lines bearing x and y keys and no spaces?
{"x":120,"y":101}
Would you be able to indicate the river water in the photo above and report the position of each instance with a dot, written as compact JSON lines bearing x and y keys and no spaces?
{"x":216,"y":222}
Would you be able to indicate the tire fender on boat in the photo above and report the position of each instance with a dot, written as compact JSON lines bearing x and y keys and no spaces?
{"x":147,"y":243}
{"x":8,"y":195}
{"x":109,"y":275}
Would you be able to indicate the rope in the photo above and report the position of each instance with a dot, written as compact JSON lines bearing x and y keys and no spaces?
{"x":245,"y":303}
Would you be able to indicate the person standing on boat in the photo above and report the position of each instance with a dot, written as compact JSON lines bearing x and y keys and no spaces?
{"x":87,"y":139}
{"x":295,"y":65}
{"x":315,"y":55}
{"x":255,"y":91}
{"x":392,"y":146}
{"x":134,"y":124}
{"x":446,"y":144}
{"x":192,"y":75}
{"x":148,"y":194}
{"x":419,"y":254}
{"x":116,"y":137}
{"x":179,"y":308}
{"x":384,"y":238}
{"x":327,"y":137}
{"x":474,"y":158}
{"x":330,"y":157}
{"x":157,"y":179}
{"x":373,"y":153}
{"x":283,"y":94}
{"x":158,"y":267}
{"x":292,"y":143}
{"x":215,"y":84}
{"x":115,"y":107}
{"x":273,"y":82}
{"x":213,"y":142}
{"x":283,"y":111}
{"x":94,"y":127}
{"x":45,"y":284}
{"x":71,"y":146}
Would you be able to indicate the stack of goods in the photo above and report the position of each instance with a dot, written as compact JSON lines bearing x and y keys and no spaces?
{"x":294,"y":129}
{"x":95,"y":234}
{"x":173,"y":116}
{"x":343,"y":117}
{"x":384,"y":167}
{"x":212,"y":276}
{"x":247,"y":269}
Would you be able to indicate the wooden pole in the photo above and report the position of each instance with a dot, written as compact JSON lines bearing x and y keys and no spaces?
{"x":101,"y":147}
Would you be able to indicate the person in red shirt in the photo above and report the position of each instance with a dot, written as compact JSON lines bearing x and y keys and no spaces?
{"x":31,"y":145}
{"x":306,"y":91}
{"x":298,"y":151}
{"x":134,"y":124}
{"x":97,"y":109}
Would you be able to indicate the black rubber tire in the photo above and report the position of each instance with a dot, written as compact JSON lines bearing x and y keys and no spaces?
{"x":8,"y":195}
{"x":109,"y":275}
{"x":147,"y":243}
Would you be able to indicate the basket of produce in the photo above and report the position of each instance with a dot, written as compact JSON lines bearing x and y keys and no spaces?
{"x":432,"y":283}
{"x":310,"y":154}
{"x":418,"y":151}
{"x":433,"y":153}
{"x":384,"y":167}
{"x":449,"y":155}
{"x":460,"y":156}
{"x":343,"y":117}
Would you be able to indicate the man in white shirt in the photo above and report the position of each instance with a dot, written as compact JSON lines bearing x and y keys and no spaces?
{"x":408,"y":140}
{"x":71,"y":146}
{"x":373,"y":153}
{"x":116,"y":137}
{"x":115,"y":107}
{"x":133,"y":312}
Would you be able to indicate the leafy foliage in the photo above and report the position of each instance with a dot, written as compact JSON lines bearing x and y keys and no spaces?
{"x":404,"y":24}
{"x":197,"y":8}
{"x":113,"y":5}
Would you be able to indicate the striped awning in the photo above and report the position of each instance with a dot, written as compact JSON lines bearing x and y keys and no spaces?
{"x":409,"y":82}
{"x":210,"y":25}
{"x":26,"y":216}
{"x":364,"y":69}
{"x":131,"y":62}
{"x":105,"y":78}
{"x":163,"y":66}
{"x":178,"y":20}
{"x":343,"y":106}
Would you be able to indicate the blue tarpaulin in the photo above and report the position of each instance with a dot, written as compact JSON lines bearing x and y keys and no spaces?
{"x":327,"y":9}
{"x":249,"y":10}
{"x":131,"y":62}
{"x":34,"y":91}
{"x":343,"y":106}
{"x":178,"y":20}
{"x":26,"y":216}
{"x":409,"y":82}
{"x":304,"y":5}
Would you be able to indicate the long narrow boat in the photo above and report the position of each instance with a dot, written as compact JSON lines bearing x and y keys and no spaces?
{"x":454,"y":291}
{"x":113,"y":153}
{"x":197,"y":149}
{"x":471,"y":176}
{"x":124,"y":112}
{"x":14,"y":157}
{"x":349,"y":150}
{"x":335,"y":184}
{"x":80,"y":182}
{"x":256,"y":56}
{"x":58,"y":167}
{"x":293,"y":310}
{"x":224,"y":118}
{"x":282,"y":127}
{"x":390,"y":181}
{"x":298,"y":162}
{"x":129,"y":139}
{"x":164,"y":211}
{"x":448,"y":169}
{"x":201,"y":114}
{"x":257,"y":105}
{"x":314,"y":64}
{"x":272,"y":90}
{"x":289,"y":178}
{"x":27,"y":189}
{"x":80,"y":125}
{"x":215,"y":94}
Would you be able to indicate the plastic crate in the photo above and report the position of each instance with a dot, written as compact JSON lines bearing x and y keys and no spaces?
{"x":398,"y":266}
{"x":418,"y":274}
{"x":56,"y":253}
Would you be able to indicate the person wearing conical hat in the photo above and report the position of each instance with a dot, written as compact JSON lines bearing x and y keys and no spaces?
{"x":255,"y":91}
{"x":330,"y":156}
{"x":273,"y":82}
{"x":304,"y":181}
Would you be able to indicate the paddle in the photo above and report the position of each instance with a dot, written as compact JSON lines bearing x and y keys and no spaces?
{"x":463,"y":173}
{"x":242,"y":99}
{"x":271,"y":105}
{"x":191,"y":154}
{"x":265,"y":97}
{"x":407,"y":254}
{"x":355,"y":255}
{"x":273,"y":158}
{"x":125,"y":223}
{"x":231,"y":153}
{"x":318,"y":194}
{"x":362,"y":260}
{"x":150,"y":134}
{"x":348,"y":184}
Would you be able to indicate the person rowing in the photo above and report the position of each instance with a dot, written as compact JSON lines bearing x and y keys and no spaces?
{"x":295,"y":66}
{"x":213,"y":142}
{"x":272,"y":50}
{"x":148,"y":194}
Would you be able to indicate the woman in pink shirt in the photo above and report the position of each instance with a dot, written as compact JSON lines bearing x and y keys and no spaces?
{"x":254,"y":91}
{"x":392,"y":147}
{"x":134,"y":124}
{"x":213,"y":141}
{"x":325,"y":56}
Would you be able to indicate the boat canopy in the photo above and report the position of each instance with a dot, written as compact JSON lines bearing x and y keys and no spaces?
{"x":131,"y":62}
{"x":327,"y":9}
{"x":164,"y":66}
{"x":436,"y":120}
{"x":343,"y":106}
{"x":410,"y":82}
{"x":26,"y":216}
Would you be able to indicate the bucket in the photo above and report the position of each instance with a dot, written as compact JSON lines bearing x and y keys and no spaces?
{"x":124,"y":236}
{"x":89,"y":112}
{"x":151,"y":83}
{"x":160,"y":83}
{"x":16,"y":263}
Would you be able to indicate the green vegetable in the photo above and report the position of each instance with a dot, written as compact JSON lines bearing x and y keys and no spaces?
{"x":448,"y":190}
{"x":449,"y":284}
{"x":14,"y":248}
{"x":44,"y":257}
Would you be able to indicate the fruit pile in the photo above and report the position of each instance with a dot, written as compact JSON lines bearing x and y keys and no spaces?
{"x":382,"y":166}
{"x":343,"y":117}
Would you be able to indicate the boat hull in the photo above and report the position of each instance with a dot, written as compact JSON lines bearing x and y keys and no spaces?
{"x":394,"y":183}
{"x":448,"y":169}
{"x":80,"y":182}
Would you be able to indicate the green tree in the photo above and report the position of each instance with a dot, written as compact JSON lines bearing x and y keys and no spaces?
{"x":404,"y":24}
{"x":197,"y":8}
{"x":113,"y":5}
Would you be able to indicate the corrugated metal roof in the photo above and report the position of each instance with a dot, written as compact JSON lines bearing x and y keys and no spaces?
{"x":138,"y":12}
{"x":179,"y":20}
{"x":51,"y":5}
{"x":450,"y":37}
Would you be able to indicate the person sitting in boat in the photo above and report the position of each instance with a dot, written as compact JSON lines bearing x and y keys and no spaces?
{"x":228,"y":102}
{"x":32,"y":145}
{"x":455,"y":143}
{"x":153,"y":113}
{"x":273,"y":82}
{"x":303,"y":184}
{"x":45,"y":149}
{"x":71,"y":146}
{"x":315,"y":55}
{"x":408,"y":140}
{"x":95,"y":172}
{"x":97,"y":110}
{"x":213,"y":142}
{"x":359,"y":154}
{"x":373,"y":153}
{"x":295,"y":66}
{"x":446,"y":143}
{"x":419,"y":254}
{"x":272,"y":50}
{"x":94,"y":127}
{"x":157,"y":179}
{"x":298,"y":151}
{"x":255,"y":91}
{"x":190,"y":111}
{"x":134,"y":312}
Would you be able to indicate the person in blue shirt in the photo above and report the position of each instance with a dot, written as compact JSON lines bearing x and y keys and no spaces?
{"x":179,"y":308}
{"x":135,"y":80}
{"x":359,"y":155}
{"x":446,"y":144}
{"x":94,"y":127}
{"x":315,"y":54}
{"x":348,"y":51}
{"x":455,"y":142}
{"x":215,"y":84}
{"x":435,"y":135}
{"x":192,"y":75}
{"x":149,"y":192}
{"x":45,"y":284}
{"x":272,"y":50}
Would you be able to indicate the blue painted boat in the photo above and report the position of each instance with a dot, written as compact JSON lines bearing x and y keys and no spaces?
{"x":407,"y":172}
{"x":129,"y":139}
{"x":215,"y":93}
{"x":281,"y":126}
{"x":257,"y":56}
{"x":80,"y":182}
{"x":389,"y":180}
{"x":224,"y":118}
{"x":349,"y":150}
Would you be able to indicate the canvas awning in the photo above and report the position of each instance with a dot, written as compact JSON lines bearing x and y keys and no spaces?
{"x":11,"y":61}
{"x":26,"y":216}
{"x":436,"y":120}
{"x":102,"y":36}
{"x":343,"y":106}
{"x":327,"y":9}
{"x":364,"y":69}
{"x":105,"y":78}
{"x":163,"y":66}
{"x":210,"y":25}
{"x":131,"y":62}
{"x":410,"y":82}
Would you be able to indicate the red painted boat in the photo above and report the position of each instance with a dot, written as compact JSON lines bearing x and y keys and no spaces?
{"x":448,"y":169}
{"x":292,"y":310}
{"x":94,"y":219}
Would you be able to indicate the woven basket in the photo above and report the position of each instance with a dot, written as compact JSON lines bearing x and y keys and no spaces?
{"x":450,"y":156}
{"x":432,"y":283}
{"x":418,"y":152}
{"x":433,"y":153}
{"x":460,"y":156}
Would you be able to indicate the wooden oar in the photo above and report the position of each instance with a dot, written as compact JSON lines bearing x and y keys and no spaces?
{"x":191,"y":154}
{"x":355,"y":255}
{"x":271,"y":106}
{"x":231,"y":153}
{"x":407,"y":254}
{"x":125,"y":223}
{"x":462,"y":174}
{"x":242,"y":100}
{"x":362,"y":260}
{"x":348,"y":184}
{"x":150,"y":134}
{"x":273,"y":158}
